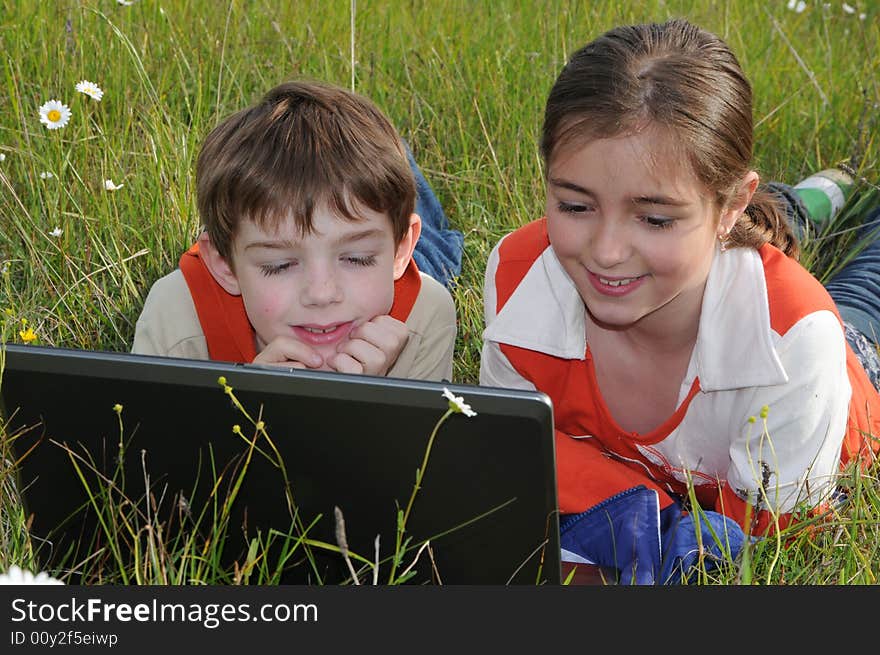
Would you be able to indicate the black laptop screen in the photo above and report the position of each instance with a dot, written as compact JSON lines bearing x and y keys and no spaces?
{"x":486,"y":503}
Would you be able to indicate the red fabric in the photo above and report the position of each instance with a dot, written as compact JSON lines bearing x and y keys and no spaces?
{"x":586,"y":472}
{"x":760,"y":523}
{"x":795,"y":294}
{"x":228,"y":332}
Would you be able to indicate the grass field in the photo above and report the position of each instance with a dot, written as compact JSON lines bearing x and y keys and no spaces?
{"x":464,"y":81}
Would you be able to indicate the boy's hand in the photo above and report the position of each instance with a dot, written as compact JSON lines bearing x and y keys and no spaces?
{"x":290,"y":353}
{"x":371,"y":348}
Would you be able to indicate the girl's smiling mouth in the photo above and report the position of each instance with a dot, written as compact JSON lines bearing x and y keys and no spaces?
{"x":615,"y":286}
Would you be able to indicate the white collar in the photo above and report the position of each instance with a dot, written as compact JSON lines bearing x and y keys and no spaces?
{"x":734,"y":346}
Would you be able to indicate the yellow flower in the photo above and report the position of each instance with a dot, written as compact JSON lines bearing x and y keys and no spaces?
{"x":27,"y":335}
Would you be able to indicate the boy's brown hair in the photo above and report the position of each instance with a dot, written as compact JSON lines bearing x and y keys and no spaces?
{"x":304,"y":144}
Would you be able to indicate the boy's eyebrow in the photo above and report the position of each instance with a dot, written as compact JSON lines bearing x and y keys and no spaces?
{"x":286,"y":244}
{"x":360,"y":235}
{"x":277,"y":244}
{"x":640,"y":200}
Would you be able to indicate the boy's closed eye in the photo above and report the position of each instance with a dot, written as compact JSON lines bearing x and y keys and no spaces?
{"x":273,"y":269}
{"x":360,"y":260}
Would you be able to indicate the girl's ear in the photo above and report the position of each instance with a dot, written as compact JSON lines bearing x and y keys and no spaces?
{"x":219,"y":268}
{"x":407,"y":245}
{"x":735,"y":208}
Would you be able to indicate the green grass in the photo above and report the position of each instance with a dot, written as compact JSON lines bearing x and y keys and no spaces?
{"x":465,"y":83}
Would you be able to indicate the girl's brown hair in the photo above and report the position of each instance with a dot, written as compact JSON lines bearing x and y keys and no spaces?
{"x":680,"y":79}
{"x":304,"y":144}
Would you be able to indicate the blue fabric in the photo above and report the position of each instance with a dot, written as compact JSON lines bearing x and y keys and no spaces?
{"x":630,"y":533}
{"x":856,"y":287}
{"x":439,"y":249}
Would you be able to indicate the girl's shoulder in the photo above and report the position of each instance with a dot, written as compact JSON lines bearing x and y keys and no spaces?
{"x":792,"y":291}
{"x":524,"y":243}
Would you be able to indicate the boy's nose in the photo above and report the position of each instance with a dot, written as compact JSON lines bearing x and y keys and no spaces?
{"x":322,"y":288}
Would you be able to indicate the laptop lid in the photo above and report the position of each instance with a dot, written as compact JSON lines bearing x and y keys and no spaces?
{"x":486,"y":504}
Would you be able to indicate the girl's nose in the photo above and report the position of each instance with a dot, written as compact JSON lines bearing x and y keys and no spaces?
{"x":610,"y":243}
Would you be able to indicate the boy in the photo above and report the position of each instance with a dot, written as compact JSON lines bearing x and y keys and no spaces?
{"x":305,"y":260}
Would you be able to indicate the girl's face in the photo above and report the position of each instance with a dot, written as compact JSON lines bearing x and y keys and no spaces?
{"x":634,"y":229}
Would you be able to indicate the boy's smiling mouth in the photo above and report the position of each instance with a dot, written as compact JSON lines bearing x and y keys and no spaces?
{"x":319,"y":335}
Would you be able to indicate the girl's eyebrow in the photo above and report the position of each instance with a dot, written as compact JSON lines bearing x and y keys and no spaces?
{"x":660,"y":200}
{"x":571,"y":186}
{"x":640,"y":200}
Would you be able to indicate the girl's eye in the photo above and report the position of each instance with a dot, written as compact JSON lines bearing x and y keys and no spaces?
{"x":367,"y":260}
{"x":658,"y":222}
{"x":574,"y":207}
{"x":273,"y":269}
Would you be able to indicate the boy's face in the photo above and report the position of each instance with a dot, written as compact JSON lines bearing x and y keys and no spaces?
{"x":317,"y":287}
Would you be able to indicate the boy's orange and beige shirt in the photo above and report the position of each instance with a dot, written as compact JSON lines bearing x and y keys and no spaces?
{"x":169,"y":325}
{"x":769,"y":335}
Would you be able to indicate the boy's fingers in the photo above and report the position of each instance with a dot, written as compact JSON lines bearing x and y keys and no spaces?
{"x":289,"y":352}
{"x":345,"y":363}
{"x":386,"y":333}
{"x":372,"y":359}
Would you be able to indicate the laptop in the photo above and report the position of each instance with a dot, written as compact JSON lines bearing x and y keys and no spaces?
{"x":106,"y":425}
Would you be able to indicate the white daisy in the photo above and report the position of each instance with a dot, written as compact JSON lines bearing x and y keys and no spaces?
{"x":46,"y":175}
{"x":54,"y":114}
{"x":2,"y":157}
{"x":848,"y":9}
{"x":16,"y":576}
{"x":56,"y":232}
{"x":797,"y":5}
{"x":457,"y":403}
{"x":110,"y":186}
{"x":90,"y":89}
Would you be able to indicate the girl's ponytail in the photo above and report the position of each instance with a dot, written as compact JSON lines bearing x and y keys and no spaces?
{"x":764,"y":222}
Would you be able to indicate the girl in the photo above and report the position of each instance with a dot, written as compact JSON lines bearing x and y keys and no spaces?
{"x":660,"y":305}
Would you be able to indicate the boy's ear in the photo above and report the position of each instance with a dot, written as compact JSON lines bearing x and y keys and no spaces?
{"x":747,"y":187}
{"x":220,"y":269}
{"x":407,"y":245}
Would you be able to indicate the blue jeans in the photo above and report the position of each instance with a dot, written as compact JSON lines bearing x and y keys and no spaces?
{"x":856,"y":287}
{"x":439,"y":248}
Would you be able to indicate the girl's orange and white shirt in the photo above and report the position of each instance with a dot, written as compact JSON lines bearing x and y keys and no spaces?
{"x":769,"y":335}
